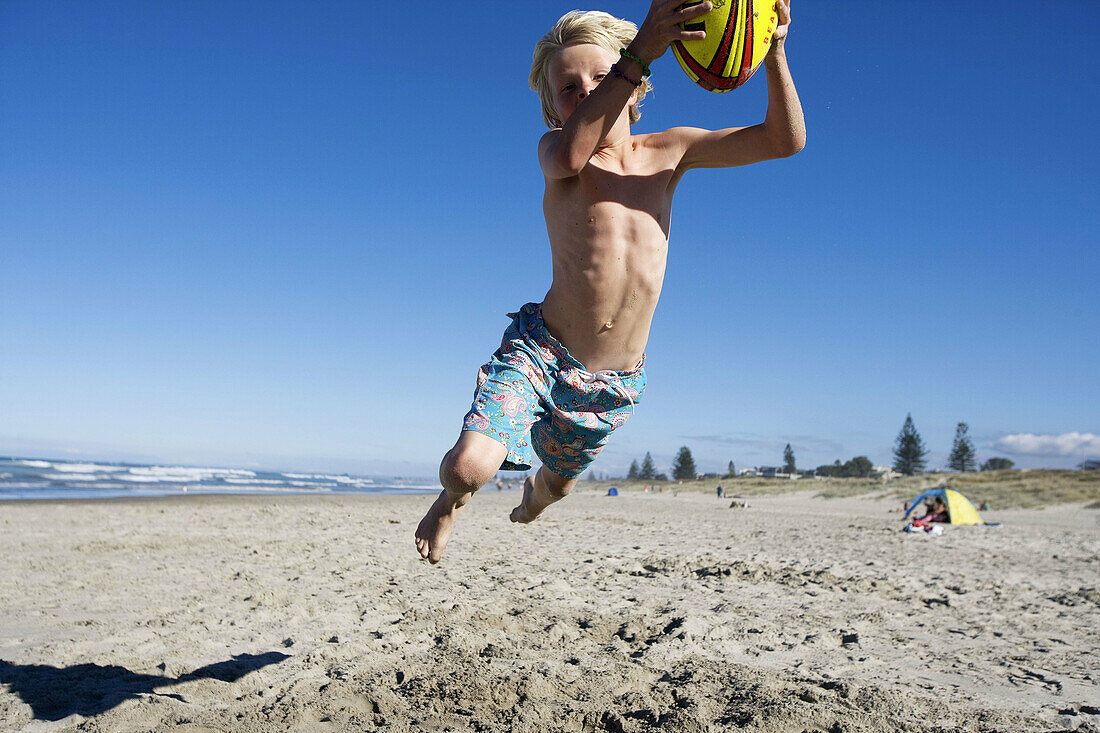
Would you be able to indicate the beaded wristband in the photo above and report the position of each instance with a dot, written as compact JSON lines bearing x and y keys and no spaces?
{"x":615,"y":71}
{"x":627,"y":55}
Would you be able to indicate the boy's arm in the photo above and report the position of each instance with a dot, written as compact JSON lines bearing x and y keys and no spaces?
{"x":783,"y":132}
{"x":563,"y":152}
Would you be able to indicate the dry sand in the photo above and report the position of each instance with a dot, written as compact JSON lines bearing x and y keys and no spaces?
{"x":640,"y":612}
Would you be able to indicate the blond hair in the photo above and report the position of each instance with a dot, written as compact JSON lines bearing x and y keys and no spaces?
{"x":573,"y":28}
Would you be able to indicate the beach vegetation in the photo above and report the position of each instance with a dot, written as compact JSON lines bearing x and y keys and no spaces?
{"x":998,"y":464}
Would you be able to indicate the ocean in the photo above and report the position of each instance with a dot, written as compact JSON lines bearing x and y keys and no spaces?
{"x":41,"y":478}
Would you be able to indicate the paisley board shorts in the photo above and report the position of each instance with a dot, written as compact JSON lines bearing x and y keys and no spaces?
{"x":534,"y":395}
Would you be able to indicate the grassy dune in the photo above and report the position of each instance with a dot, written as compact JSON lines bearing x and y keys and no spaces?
{"x":1000,"y":489}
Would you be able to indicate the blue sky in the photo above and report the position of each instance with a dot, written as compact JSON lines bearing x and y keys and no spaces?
{"x":286,"y":235}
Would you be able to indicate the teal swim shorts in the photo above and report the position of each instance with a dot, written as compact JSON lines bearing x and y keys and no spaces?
{"x":532,"y":394}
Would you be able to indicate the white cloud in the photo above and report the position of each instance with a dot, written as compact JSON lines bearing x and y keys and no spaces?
{"x":1080,"y":445}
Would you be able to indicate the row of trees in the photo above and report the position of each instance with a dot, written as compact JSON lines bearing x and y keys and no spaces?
{"x":683,"y":467}
{"x":646,"y":472}
{"x":910,"y":456}
{"x":910,"y":452}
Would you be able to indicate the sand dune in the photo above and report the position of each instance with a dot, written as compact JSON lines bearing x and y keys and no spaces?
{"x":641,"y":612}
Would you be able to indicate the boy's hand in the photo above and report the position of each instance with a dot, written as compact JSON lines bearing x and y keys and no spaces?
{"x":662,"y":26}
{"x":780,"y":35}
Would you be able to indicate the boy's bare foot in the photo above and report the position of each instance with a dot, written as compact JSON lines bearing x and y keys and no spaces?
{"x":434,"y":531}
{"x":528,"y":510}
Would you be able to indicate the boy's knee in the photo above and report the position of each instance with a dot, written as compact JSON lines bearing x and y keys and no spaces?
{"x":558,"y":487}
{"x":559,"y":492}
{"x":463,"y":471}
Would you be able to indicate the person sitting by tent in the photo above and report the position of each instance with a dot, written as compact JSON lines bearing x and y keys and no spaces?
{"x":935,"y":511}
{"x":943,"y":505}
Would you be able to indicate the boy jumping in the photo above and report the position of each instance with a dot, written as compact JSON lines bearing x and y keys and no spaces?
{"x":572,"y":368}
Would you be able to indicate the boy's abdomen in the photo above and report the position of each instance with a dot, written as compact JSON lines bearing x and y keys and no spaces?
{"x":601,"y":307}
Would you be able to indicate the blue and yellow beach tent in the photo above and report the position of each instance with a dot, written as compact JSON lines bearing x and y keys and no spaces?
{"x":959,"y":508}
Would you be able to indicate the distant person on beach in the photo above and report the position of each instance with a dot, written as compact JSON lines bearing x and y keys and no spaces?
{"x":719,"y":491}
{"x":571,"y":369}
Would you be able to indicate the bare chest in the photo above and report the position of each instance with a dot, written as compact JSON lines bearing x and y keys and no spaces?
{"x":602,"y":200}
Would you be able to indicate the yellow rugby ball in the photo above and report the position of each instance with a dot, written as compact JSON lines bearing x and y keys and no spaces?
{"x":739,"y":34}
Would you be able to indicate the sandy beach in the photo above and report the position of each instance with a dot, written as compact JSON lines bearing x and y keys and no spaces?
{"x":630,"y":613}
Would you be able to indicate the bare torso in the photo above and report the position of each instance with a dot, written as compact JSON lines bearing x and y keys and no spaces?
{"x":608,"y":229}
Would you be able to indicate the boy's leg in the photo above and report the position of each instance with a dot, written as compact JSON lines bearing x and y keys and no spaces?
{"x":467,"y":467}
{"x":539,"y":492}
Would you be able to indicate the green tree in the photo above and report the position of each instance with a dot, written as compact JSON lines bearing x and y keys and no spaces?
{"x":909,"y":450}
{"x":997,"y":464}
{"x":731,"y":472}
{"x":788,"y":460}
{"x":633,"y":472}
{"x":648,"y":470}
{"x":834,"y":471}
{"x":683,"y":466}
{"x":858,"y":467}
{"x":962,"y":456}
